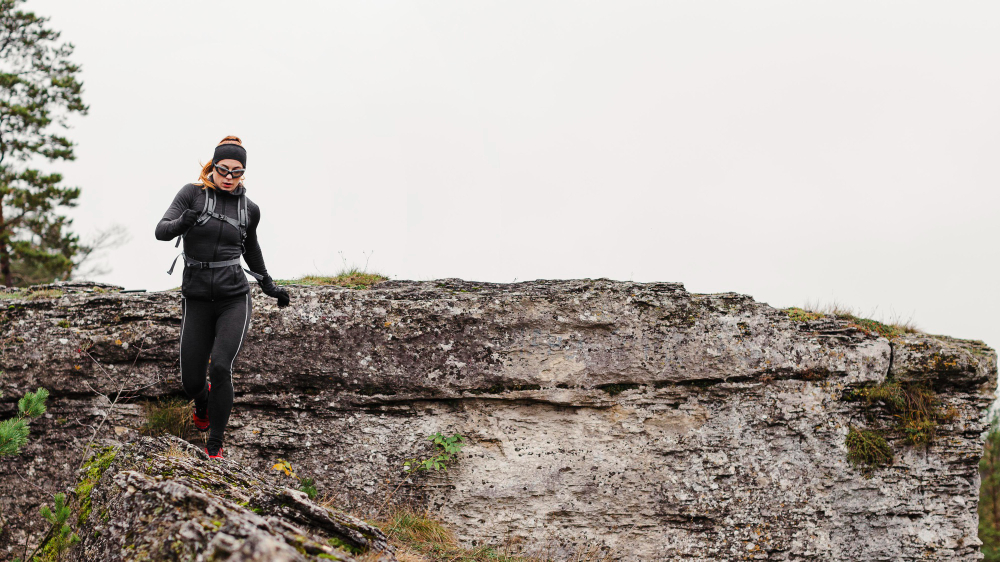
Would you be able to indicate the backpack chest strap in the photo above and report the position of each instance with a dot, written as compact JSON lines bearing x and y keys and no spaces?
{"x":235,"y":223}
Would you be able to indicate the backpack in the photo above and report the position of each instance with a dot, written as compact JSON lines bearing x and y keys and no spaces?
{"x":208,"y":212}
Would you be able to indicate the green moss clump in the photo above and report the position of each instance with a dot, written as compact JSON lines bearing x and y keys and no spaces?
{"x":914,"y":407}
{"x":94,"y":467}
{"x":889,"y":393}
{"x":337,"y":543}
{"x":868,"y":448}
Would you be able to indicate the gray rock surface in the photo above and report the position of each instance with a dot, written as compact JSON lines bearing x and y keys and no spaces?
{"x":163,"y":499}
{"x":655,"y":423}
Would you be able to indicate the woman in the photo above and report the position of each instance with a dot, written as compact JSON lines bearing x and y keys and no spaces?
{"x":215,"y":301}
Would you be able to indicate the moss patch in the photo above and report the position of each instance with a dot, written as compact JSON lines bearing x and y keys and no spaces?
{"x":914,"y":407}
{"x":94,"y":467}
{"x":867,"y":448}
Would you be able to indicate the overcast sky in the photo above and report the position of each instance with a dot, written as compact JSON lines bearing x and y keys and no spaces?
{"x":793,"y":151}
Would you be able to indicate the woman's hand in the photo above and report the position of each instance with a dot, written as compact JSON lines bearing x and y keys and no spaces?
{"x":270,"y":289}
{"x":185,"y":221}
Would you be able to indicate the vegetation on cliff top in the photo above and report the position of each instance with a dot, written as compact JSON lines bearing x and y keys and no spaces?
{"x":352,"y":278}
{"x":890,"y":330}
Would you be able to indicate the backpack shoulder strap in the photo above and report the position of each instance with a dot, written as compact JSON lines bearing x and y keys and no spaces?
{"x":206,"y":212}
{"x":209,"y":208}
{"x":244,"y":215}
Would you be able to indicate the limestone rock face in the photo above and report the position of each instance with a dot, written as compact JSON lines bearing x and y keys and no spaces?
{"x":635,"y":417}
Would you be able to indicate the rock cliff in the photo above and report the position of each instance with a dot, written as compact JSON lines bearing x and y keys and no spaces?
{"x":638,"y":417}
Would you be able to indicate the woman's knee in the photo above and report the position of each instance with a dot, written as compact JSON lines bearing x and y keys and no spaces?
{"x":193,"y":387}
{"x":220,"y":374}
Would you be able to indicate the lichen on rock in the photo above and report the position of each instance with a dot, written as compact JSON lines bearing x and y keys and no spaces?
{"x":163,"y":499}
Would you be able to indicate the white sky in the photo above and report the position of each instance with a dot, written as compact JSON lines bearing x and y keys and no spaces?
{"x":794,"y":151}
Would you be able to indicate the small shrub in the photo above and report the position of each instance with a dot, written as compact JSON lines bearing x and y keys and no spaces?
{"x":62,"y":536}
{"x":308,"y":485}
{"x":447,"y":451}
{"x":170,"y":415}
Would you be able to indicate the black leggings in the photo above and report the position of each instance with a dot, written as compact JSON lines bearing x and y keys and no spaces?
{"x":212,"y":329}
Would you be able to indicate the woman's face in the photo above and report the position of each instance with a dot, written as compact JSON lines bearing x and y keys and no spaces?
{"x":227,"y":182}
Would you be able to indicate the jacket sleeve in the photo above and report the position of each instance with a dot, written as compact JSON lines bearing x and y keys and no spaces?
{"x":169,"y":227}
{"x":253,"y":256}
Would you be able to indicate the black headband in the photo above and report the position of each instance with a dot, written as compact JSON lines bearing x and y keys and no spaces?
{"x":230,"y":152}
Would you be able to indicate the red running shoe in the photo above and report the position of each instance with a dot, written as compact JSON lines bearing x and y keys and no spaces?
{"x":201,"y":423}
{"x":217,"y":455}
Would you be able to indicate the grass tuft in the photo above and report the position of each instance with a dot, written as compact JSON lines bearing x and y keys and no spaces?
{"x":352,"y":278}
{"x":887,"y":329}
{"x":914,"y":407}
{"x":170,"y":415}
{"x":868,"y":448}
{"x":797,"y":314}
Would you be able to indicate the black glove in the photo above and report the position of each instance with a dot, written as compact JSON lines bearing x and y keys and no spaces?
{"x":185,"y":221}
{"x":270,"y":289}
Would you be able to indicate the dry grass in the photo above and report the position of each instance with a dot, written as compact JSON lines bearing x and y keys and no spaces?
{"x":418,"y":538}
{"x":45,"y":294}
{"x":170,"y":415}
{"x":177,"y":452}
{"x":890,"y":327}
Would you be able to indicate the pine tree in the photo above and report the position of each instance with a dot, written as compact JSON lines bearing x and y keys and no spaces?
{"x":14,"y":431}
{"x":62,"y":536}
{"x":989,"y":495}
{"x":39,"y":90}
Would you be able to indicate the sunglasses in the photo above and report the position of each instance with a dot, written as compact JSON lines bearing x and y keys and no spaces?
{"x":224,"y":171}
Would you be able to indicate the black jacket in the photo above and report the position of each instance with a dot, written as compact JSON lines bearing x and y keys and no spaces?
{"x":214,"y":241}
